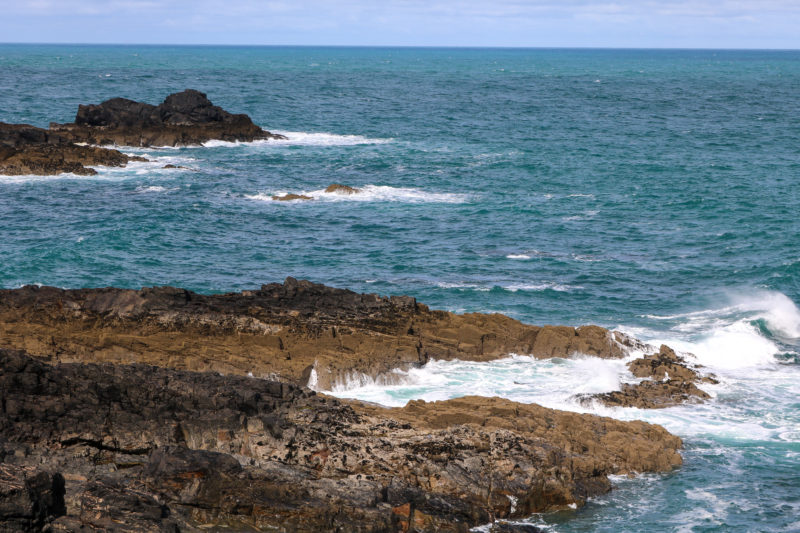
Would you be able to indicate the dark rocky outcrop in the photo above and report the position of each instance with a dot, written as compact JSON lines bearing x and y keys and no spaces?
{"x":26,"y":149}
{"x":138,"y":448}
{"x":184,"y":118}
{"x":294,"y":331}
{"x":30,"y":497}
{"x":668,"y":380}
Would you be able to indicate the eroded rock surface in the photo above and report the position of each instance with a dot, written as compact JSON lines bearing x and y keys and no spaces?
{"x":26,"y":149}
{"x":184,"y":118}
{"x":668,"y":380}
{"x":30,"y":497}
{"x":295,"y":331}
{"x":142,"y":448}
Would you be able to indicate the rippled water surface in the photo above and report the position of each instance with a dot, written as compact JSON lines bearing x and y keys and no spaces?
{"x":652,"y":191}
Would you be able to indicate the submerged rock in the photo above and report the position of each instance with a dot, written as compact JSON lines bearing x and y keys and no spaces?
{"x":142,"y":448}
{"x":291,"y":197}
{"x":26,"y":149}
{"x":341,"y":189}
{"x":184,"y":118}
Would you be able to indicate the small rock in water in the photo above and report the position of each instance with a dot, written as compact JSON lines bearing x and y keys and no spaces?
{"x":290,"y":197}
{"x":338,"y":188}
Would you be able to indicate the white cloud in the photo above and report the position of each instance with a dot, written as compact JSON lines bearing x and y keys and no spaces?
{"x":766,"y":23}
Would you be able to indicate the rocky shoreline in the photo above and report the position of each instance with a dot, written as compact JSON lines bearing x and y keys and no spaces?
{"x":184,"y":118}
{"x":134,"y":410}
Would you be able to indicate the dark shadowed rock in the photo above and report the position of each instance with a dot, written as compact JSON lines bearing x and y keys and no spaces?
{"x":141,"y":448}
{"x":30,"y":498}
{"x":184,"y":118}
{"x":26,"y":149}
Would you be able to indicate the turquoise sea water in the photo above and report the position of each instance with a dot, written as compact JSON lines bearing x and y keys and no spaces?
{"x":652,"y":191}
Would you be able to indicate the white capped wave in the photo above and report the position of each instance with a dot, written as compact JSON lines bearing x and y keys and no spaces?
{"x":512,"y":287}
{"x":461,"y":285}
{"x":302,"y":138}
{"x":731,"y":347}
{"x":29,"y":178}
{"x":155,"y":188}
{"x":728,"y":337}
{"x":586,"y":215}
{"x":535,"y":287}
{"x":371,"y":193}
{"x":779,"y":312}
{"x":518,"y":256}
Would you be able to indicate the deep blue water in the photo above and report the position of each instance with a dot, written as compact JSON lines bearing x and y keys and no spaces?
{"x":655,"y":191}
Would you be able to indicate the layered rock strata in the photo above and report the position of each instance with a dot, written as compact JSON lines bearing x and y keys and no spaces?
{"x":26,"y":149}
{"x":141,"y":448}
{"x":299,"y":332}
{"x":183,"y":118}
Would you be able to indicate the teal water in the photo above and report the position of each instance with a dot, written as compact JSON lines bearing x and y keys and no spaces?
{"x":652,"y":191}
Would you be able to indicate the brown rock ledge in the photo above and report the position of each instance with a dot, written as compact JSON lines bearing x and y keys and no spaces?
{"x":141,"y":448}
{"x":669,"y":380}
{"x":293,"y":331}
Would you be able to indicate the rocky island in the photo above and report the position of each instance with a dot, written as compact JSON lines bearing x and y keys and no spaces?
{"x":138,"y":410}
{"x":184,"y":118}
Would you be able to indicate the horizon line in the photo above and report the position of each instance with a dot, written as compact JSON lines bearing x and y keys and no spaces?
{"x":451,"y":47}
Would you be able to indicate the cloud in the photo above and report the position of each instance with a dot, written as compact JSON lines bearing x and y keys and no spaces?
{"x":441,"y":8}
{"x":424,"y":22}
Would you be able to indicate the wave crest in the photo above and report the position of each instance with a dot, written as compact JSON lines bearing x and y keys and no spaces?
{"x":370,"y":193}
{"x":302,"y":138}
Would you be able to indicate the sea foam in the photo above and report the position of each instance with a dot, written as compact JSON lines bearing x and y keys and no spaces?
{"x":371,"y":193}
{"x":301,"y":138}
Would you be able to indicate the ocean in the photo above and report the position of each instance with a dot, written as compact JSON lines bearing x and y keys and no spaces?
{"x":652,"y":191}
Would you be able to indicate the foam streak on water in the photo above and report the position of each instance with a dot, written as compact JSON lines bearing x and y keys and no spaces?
{"x":300,"y":138}
{"x":369,"y":193}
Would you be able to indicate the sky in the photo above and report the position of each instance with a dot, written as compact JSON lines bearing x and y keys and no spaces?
{"x":515,"y":23}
